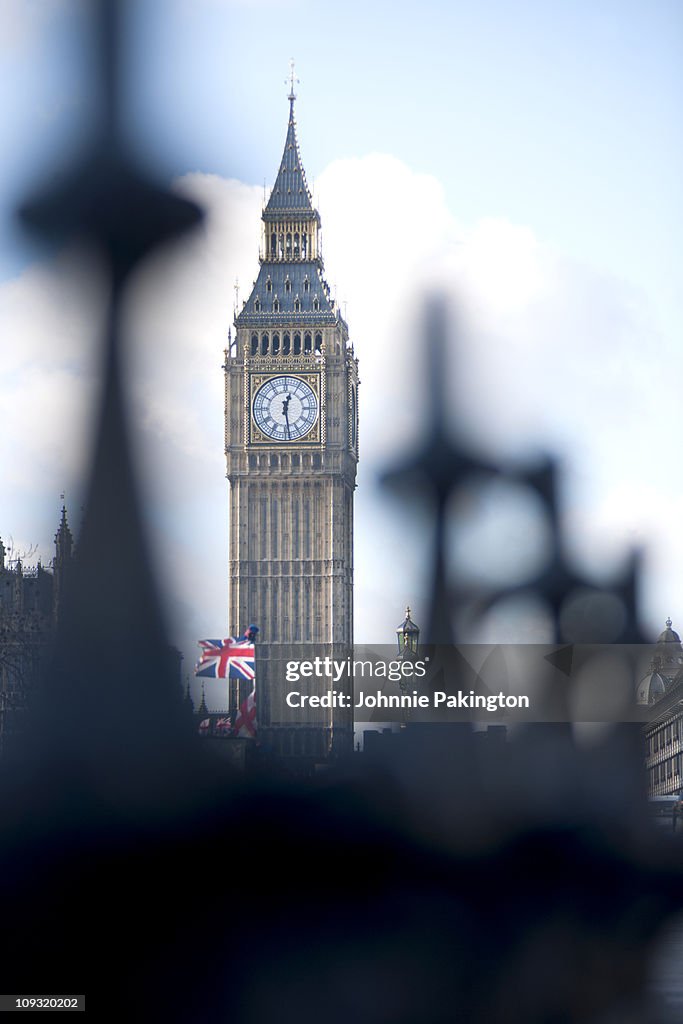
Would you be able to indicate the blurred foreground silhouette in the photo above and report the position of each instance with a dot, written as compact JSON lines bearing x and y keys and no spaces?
{"x":441,"y":879}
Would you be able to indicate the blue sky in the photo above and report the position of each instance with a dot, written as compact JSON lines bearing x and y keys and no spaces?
{"x":526,"y":155}
{"x":560,"y":115}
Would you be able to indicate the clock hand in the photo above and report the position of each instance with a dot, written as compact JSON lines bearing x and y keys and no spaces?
{"x":285,"y":407}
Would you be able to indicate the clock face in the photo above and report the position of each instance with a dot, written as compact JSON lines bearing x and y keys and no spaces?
{"x":285,"y":408}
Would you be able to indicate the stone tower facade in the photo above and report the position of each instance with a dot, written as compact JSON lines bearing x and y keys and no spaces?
{"x":291,"y":442}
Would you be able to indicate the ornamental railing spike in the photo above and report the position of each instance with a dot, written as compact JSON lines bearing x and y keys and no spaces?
{"x":84,"y":715}
{"x":443,"y":464}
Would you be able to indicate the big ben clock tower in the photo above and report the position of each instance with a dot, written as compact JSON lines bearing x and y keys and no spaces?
{"x":291,"y":442}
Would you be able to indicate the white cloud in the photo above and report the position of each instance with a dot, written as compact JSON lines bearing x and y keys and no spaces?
{"x":551,"y":355}
{"x":51,"y":318}
{"x":550,"y":350}
{"x":23,"y":22}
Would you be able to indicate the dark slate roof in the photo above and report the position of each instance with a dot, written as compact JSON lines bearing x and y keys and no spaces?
{"x":297,"y":272}
{"x":290,"y":192}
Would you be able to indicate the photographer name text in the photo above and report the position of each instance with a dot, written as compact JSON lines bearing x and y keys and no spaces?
{"x":465,"y":700}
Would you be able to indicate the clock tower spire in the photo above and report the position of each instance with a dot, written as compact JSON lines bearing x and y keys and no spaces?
{"x":291,"y":81}
{"x":291,"y":447}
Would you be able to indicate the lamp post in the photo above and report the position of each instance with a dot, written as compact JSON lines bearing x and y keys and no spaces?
{"x":408,"y":636}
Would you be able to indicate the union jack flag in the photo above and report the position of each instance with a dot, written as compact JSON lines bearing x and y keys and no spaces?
{"x":223,"y":725}
{"x":245,"y":721}
{"x":228,"y":658}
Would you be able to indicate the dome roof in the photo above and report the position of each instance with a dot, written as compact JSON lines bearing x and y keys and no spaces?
{"x":651,"y":688}
{"x":668,"y":635}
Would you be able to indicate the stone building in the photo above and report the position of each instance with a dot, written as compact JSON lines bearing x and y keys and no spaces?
{"x":29,"y":608}
{"x":661,"y":690}
{"x":291,"y":442}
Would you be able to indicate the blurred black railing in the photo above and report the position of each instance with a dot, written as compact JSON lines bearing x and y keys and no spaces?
{"x":444,"y":880}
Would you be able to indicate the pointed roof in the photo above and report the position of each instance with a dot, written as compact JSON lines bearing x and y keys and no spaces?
{"x":301,"y":292}
{"x":63,"y":537}
{"x":203,"y":710}
{"x":290,"y":192}
{"x":407,"y":626}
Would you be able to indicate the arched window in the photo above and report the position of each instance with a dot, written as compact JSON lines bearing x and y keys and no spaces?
{"x":257,"y":305}
{"x":280,"y":247}
{"x":276,"y":344}
{"x":307,"y":285}
{"x":316,"y":304}
{"x":254,"y":344}
{"x":297,"y":305}
{"x":273,"y":244}
{"x":264,"y":344}
{"x":269,"y":285}
{"x":307,"y":342}
{"x":288,"y":286}
{"x":289,"y":244}
{"x":296,"y":243}
{"x":285,"y":344}
{"x":297,"y":344}
{"x":304,"y":245}
{"x":318,"y":342}
{"x":276,"y":305}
